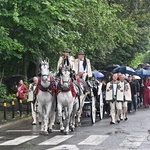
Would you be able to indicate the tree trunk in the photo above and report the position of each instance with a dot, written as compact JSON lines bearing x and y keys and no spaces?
{"x":37,"y":67}
{"x":24,"y":65}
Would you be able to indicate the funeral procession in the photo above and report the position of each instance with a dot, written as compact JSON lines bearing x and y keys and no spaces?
{"x":75,"y":75}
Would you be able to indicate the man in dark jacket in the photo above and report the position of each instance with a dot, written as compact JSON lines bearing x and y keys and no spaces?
{"x":137,"y":84}
{"x":133,"y":94}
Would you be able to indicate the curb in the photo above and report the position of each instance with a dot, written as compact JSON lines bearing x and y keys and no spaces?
{"x":15,"y":122}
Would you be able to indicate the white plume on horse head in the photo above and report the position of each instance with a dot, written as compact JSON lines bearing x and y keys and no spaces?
{"x":47,"y":60}
{"x":40,"y":60}
{"x":45,"y":69}
{"x":44,"y":62}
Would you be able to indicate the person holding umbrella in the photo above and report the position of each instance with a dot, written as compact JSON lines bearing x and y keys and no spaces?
{"x":20,"y":92}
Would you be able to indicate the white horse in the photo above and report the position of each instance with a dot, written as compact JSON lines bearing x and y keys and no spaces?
{"x":78,"y":102}
{"x":78,"y":106}
{"x":65,"y":99}
{"x":46,"y":98}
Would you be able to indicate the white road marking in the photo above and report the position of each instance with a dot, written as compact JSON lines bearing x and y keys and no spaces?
{"x":19,"y":140}
{"x":94,"y":140}
{"x":54,"y":130}
{"x":56,"y":140}
{"x":1,"y":137}
{"x":18,"y":130}
{"x":65,"y":147}
{"x":132,"y":141}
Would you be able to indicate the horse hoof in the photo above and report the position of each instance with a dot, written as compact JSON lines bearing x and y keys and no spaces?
{"x":45,"y":133}
{"x":72,"y":129}
{"x":50,"y":131}
{"x":76,"y":125}
{"x":79,"y":124}
{"x":66,"y":132}
{"x":58,"y":123}
{"x":62,"y":131}
{"x":41,"y":132}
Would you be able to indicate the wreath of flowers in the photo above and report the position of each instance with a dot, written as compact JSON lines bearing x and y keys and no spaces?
{"x":118,"y":86}
{"x":110,"y":87}
{"x":126,"y":87}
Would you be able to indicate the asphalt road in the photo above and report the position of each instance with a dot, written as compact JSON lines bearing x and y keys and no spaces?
{"x":131,"y":134}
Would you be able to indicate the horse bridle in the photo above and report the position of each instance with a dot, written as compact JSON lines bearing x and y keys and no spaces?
{"x":42,"y":75}
{"x":63,"y":82}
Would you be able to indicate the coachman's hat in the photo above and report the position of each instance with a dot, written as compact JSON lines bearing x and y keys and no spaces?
{"x":67,"y":50}
{"x":80,"y":52}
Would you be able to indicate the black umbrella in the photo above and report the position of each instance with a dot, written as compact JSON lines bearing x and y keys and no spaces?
{"x":14,"y":79}
{"x":31,"y":79}
{"x":111,"y":67}
{"x":107,"y":75}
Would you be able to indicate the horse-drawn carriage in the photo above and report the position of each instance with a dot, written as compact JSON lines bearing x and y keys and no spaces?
{"x":68,"y":97}
{"x":93,"y":104}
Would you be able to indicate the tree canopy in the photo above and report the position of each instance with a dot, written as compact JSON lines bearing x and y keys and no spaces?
{"x":109,"y":31}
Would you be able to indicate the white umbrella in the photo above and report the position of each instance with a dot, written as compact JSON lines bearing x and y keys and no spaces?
{"x":137,"y":77}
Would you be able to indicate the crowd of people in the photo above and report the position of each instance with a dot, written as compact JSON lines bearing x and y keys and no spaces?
{"x":116,"y":103}
{"x":121,"y":94}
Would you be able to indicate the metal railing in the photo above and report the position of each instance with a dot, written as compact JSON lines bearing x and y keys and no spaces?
{"x":13,"y":106}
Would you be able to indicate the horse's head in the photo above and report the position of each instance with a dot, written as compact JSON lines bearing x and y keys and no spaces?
{"x":45,"y":70}
{"x":65,"y":76}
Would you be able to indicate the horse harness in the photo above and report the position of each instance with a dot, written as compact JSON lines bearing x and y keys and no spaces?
{"x":61,"y":88}
{"x":50,"y":88}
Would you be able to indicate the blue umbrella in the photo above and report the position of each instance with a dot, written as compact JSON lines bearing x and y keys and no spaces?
{"x":97,"y":74}
{"x":142,"y":73}
{"x":124,"y":70}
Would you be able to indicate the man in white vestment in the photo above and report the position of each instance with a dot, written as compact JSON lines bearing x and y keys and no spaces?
{"x":111,"y":95}
{"x":83,"y":73}
{"x":66,"y":60}
{"x":127,"y":97}
{"x":82,"y":66}
{"x":31,"y":97}
{"x":117,"y":92}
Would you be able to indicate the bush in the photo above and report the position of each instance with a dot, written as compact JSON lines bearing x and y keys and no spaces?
{"x":4,"y":94}
{"x":3,"y":91}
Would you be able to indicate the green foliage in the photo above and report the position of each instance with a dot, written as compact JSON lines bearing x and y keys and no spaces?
{"x":137,"y":60}
{"x":4,"y":95}
{"x":3,"y":91}
{"x":146,"y":58}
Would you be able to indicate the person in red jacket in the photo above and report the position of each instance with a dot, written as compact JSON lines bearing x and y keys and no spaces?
{"x":20,"y":91}
{"x":146,"y":92}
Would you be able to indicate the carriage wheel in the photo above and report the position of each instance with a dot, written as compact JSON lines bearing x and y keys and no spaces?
{"x":93,"y":108}
{"x":101,"y":107}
